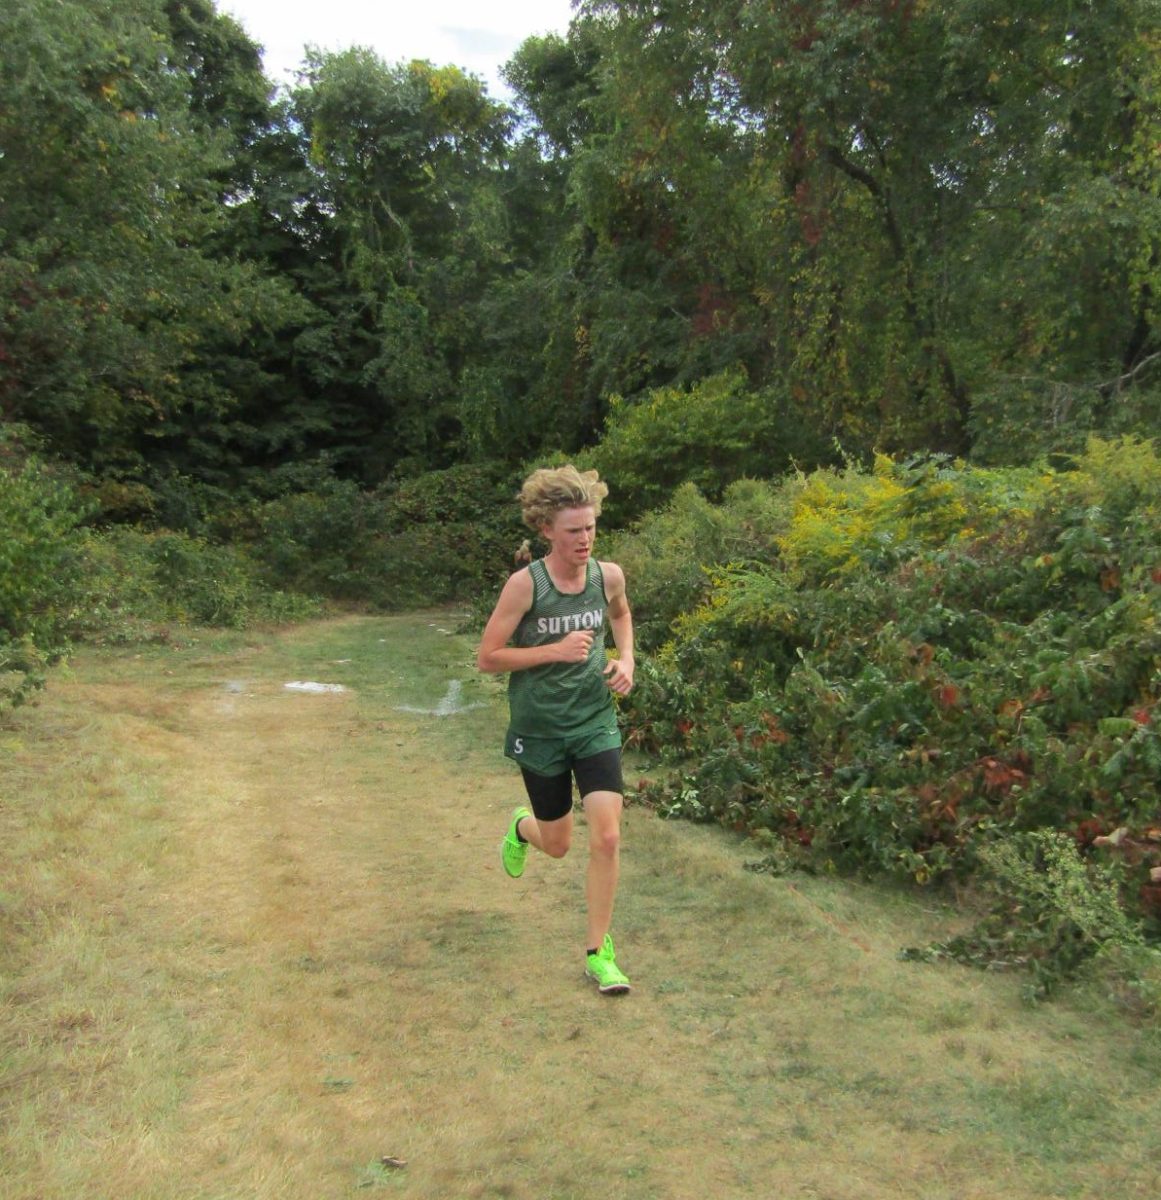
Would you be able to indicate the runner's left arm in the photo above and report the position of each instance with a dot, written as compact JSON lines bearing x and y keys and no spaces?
{"x":619,"y":672}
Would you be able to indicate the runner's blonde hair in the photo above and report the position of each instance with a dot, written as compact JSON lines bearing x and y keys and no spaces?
{"x":547,"y":491}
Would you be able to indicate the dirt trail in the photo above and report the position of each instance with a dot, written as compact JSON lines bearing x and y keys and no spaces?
{"x":356,"y":980}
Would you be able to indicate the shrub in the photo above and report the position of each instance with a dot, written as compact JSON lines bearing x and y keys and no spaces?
{"x":713,"y":433}
{"x":40,"y":571}
{"x":1050,"y":912}
{"x":448,"y":535}
{"x":931,"y":655}
{"x":442,"y":536}
{"x":137,"y":580}
{"x":315,"y":541}
{"x":671,"y":555}
{"x":666,"y":558}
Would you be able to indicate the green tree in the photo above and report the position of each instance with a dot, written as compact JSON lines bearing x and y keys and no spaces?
{"x":645,"y":283}
{"x":523,"y":391}
{"x":114,"y":300}
{"x":953,"y":199}
{"x":404,"y":159}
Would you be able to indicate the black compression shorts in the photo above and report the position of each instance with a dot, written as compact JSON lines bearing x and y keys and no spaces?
{"x":551,"y":795}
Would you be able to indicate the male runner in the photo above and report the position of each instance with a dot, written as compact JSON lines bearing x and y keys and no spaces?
{"x":548,"y":630}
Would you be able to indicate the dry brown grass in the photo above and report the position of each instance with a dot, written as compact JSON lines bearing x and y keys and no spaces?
{"x":255,"y":942}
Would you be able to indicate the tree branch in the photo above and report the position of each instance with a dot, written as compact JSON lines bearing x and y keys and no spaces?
{"x":1114,"y":385}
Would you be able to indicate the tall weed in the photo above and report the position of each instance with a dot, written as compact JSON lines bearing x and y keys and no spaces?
{"x":1052,"y":912}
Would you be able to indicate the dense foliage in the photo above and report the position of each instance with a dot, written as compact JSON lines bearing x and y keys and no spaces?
{"x":907,"y":226}
{"x":891,"y":670}
{"x":438,"y":537}
{"x":40,"y":515}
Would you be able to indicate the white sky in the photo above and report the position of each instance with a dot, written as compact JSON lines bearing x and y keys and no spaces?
{"x":476,"y":35}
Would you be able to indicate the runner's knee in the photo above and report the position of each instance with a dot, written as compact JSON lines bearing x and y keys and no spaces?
{"x":555,"y":843}
{"x":605,"y":840}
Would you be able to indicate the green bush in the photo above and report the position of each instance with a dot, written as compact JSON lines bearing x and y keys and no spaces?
{"x":1050,"y":912}
{"x":137,"y":580}
{"x":930,"y":655}
{"x":717,"y":431}
{"x":670,"y":555}
{"x":40,"y":571}
{"x":448,"y":536}
{"x":316,"y":542}
{"x":443,"y":536}
{"x":1014,"y":420}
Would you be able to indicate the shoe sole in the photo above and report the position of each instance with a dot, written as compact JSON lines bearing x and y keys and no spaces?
{"x":609,"y":989}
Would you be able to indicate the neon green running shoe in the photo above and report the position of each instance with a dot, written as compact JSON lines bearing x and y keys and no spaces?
{"x":514,"y":852}
{"x":602,"y":966}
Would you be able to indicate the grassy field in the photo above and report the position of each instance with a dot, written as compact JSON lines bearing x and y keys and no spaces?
{"x":256,"y":942}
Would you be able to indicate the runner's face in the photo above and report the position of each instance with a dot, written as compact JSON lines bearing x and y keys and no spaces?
{"x":572,"y":533}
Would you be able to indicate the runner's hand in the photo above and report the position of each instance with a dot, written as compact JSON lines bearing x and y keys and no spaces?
{"x":619,"y":676}
{"x":575,"y":647}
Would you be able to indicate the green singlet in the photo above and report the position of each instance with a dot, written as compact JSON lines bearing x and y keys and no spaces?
{"x":561,"y":711}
